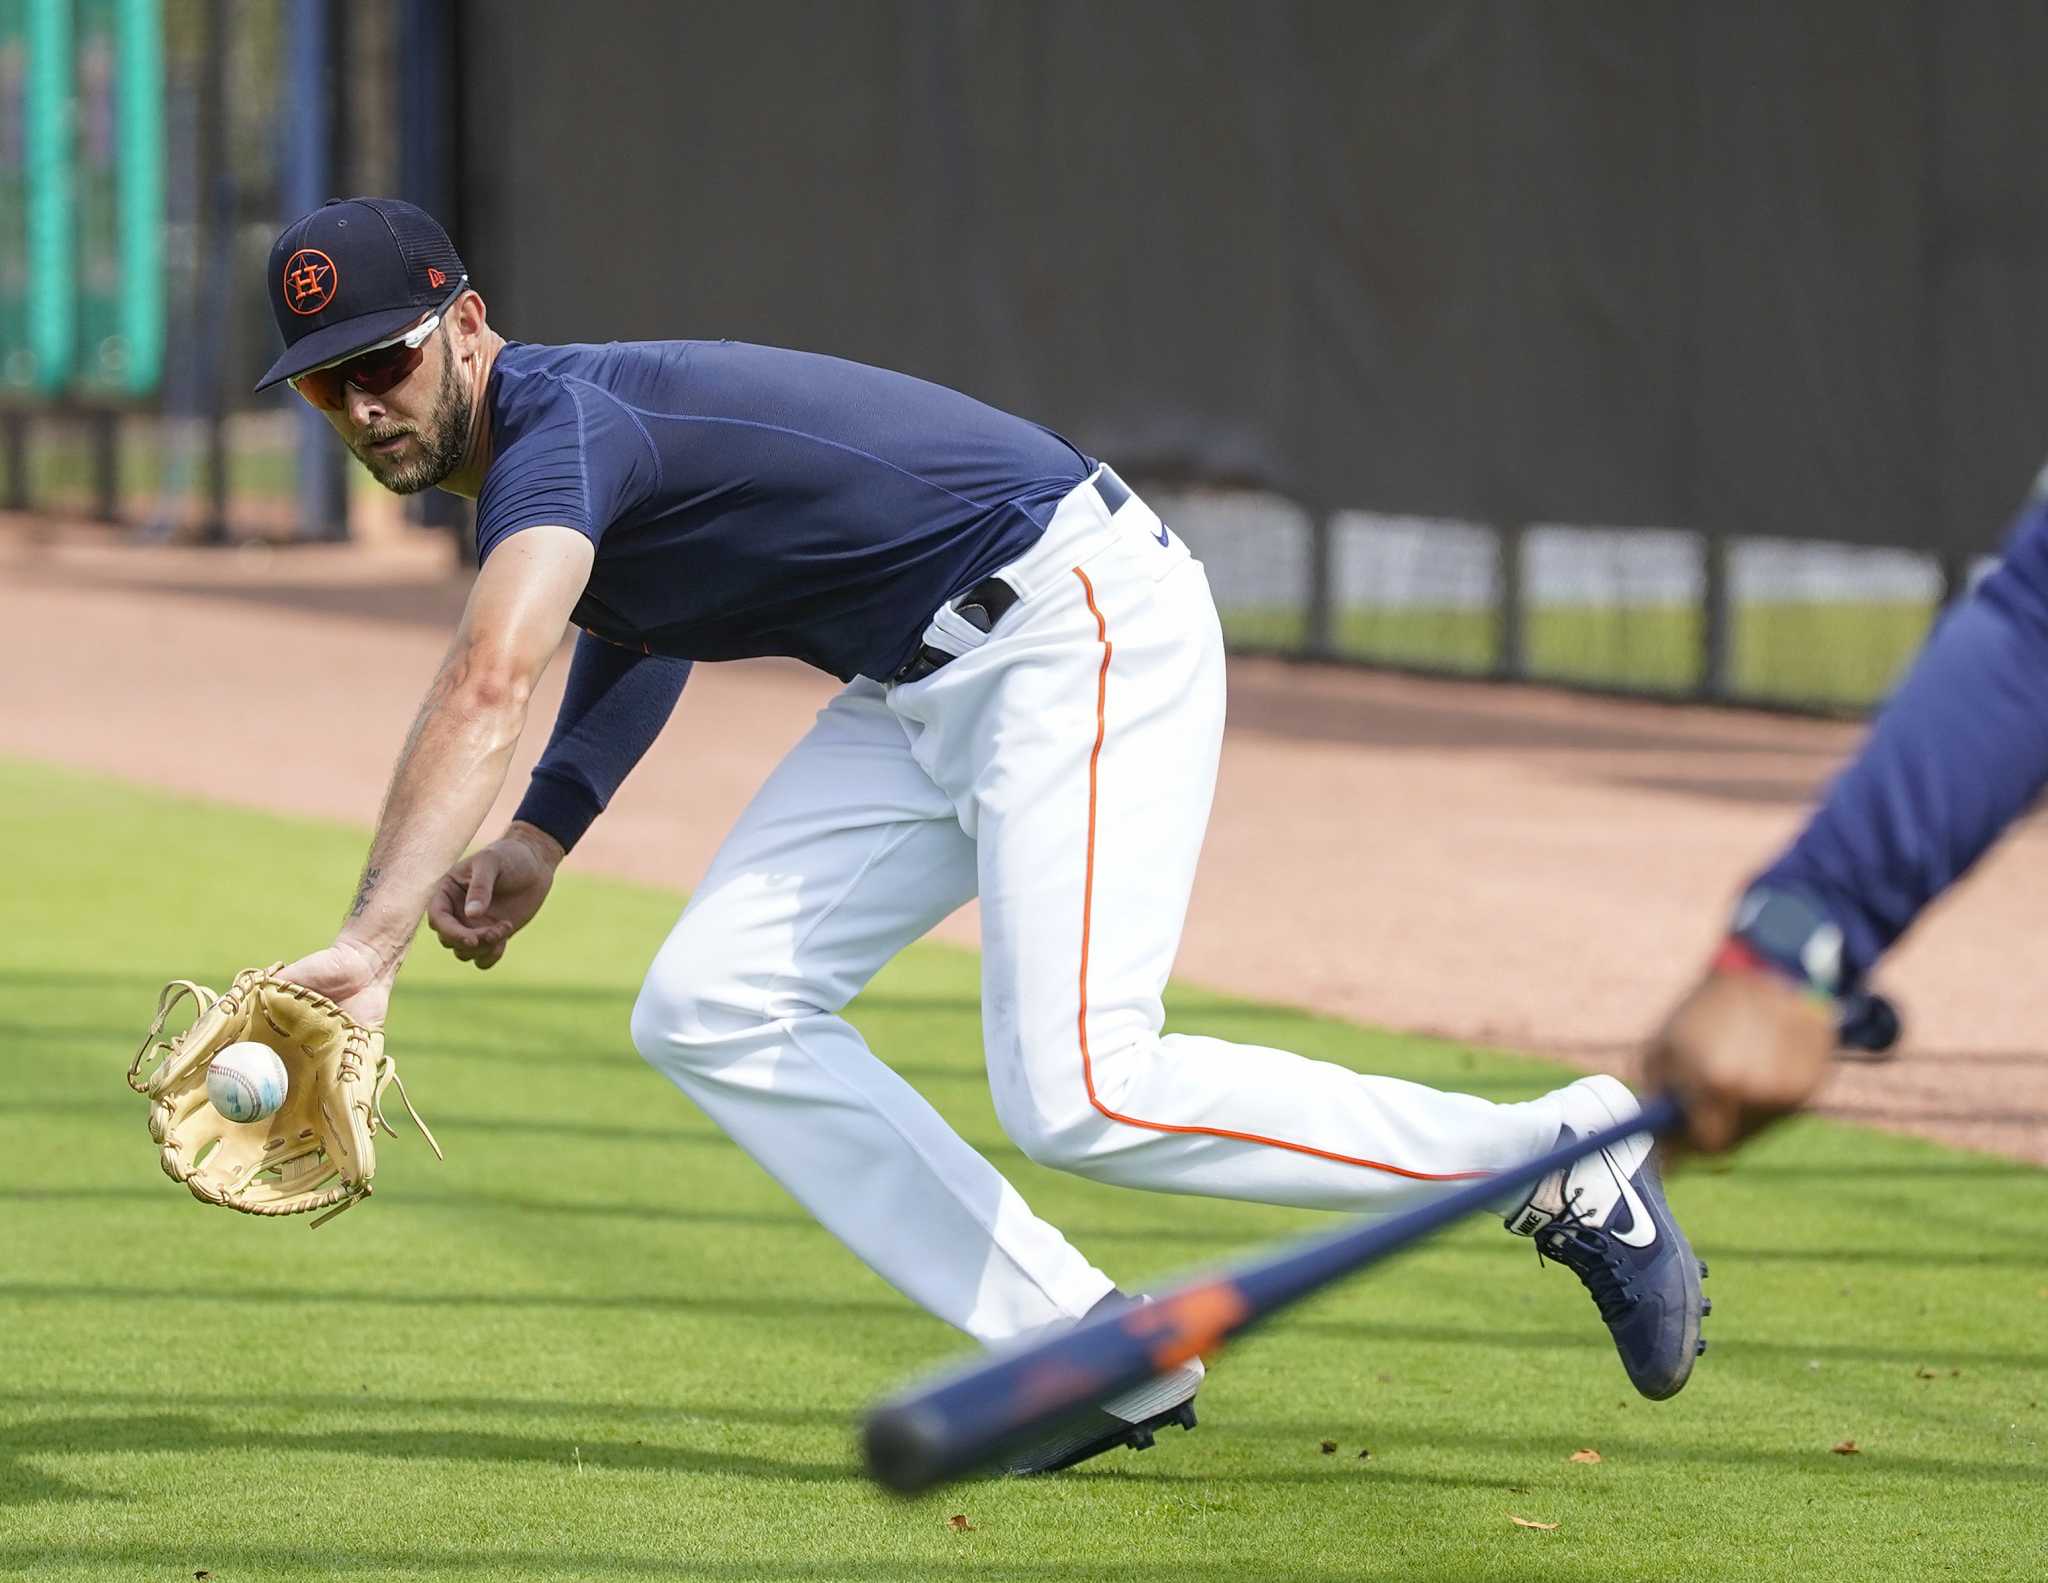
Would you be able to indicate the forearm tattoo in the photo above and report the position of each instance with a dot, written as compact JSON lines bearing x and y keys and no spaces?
{"x":367,"y":884}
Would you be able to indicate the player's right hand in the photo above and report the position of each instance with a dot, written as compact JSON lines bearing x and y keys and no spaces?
{"x":492,"y":894}
{"x":1741,"y":1050}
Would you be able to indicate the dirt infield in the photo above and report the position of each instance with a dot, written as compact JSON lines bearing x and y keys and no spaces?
{"x":1505,"y":866}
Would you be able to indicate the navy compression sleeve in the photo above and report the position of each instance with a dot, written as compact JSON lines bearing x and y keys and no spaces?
{"x":613,"y":708}
{"x":1956,"y":755}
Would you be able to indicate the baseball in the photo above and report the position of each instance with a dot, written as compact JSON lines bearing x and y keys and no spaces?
{"x":246,"y":1081}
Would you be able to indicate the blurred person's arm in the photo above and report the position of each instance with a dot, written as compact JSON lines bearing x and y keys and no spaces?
{"x":1956,"y":756}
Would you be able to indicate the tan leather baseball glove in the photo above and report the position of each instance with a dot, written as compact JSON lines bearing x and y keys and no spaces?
{"x":318,"y":1152}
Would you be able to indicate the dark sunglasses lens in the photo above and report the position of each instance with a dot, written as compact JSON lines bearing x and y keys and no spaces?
{"x":376,"y":372}
{"x":373,"y":373}
{"x":321,"y":388}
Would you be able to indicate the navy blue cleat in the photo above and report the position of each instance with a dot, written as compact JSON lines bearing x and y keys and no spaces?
{"x":1607,"y":1221}
{"x":1132,"y":1419}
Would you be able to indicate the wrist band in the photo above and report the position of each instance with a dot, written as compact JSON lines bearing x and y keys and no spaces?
{"x":1788,"y":933}
{"x":1736,"y":955}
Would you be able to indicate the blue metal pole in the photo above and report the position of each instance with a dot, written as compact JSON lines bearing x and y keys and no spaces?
{"x":308,"y":181}
{"x":427,"y":139}
{"x":426,"y":126}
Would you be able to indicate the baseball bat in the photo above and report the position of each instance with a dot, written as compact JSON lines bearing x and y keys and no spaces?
{"x":969,"y":1415}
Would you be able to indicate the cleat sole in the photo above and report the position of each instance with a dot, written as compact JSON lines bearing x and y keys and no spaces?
{"x":1080,"y":1448}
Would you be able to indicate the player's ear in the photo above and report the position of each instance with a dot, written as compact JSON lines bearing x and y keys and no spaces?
{"x":467,"y":316}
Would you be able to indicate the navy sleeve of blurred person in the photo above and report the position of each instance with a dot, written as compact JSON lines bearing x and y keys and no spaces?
{"x":614,"y":706}
{"x":1955,"y":757}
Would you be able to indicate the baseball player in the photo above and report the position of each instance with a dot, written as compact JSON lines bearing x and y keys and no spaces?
{"x":1032,"y":710}
{"x":1958,"y":753}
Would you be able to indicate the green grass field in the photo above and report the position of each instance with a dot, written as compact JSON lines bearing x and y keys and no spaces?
{"x":597,"y":1343}
{"x":62,"y":476}
{"x":1843,"y":654}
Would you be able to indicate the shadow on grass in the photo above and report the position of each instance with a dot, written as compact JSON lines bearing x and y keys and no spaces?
{"x":772,"y":1306}
{"x":355,"y":1403}
{"x":285,"y":1561}
{"x":1619,"y":1450}
{"x":512,"y":1203}
{"x":768,"y":1306}
{"x":2022,"y":1255}
{"x":189,"y":1434}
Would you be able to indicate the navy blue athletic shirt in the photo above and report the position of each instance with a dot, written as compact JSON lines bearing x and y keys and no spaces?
{"x":747,"y":501}
{"x":744,"y":501}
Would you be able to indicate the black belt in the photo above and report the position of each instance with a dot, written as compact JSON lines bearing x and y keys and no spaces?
{"x":989,"y":600}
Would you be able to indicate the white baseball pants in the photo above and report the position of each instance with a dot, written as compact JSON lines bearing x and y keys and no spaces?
{"x":1062,"y":768}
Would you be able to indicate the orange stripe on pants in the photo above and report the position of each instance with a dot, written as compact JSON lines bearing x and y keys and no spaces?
{"x":1087,"y":911}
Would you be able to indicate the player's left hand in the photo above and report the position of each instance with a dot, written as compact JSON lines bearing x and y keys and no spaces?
{"x":1740,"y":1051}
{"x":348,"y":973}
{"x":318,"y":1150}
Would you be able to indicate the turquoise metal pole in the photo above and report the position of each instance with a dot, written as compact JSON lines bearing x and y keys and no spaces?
{"x":52,"y":286}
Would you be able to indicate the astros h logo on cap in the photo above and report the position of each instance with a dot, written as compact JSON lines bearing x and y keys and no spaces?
{"x":309,"y":280}
{"x":352,"y":274}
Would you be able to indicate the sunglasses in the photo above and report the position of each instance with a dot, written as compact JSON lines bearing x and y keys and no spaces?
{"x":375,"y":369}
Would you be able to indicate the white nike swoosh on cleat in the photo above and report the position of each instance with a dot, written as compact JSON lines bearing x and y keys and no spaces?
{"x":1643,"y":1230}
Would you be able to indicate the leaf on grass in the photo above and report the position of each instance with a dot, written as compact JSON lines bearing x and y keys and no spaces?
{"x":1584,"y":1454}
{"x":1925,"y":1374}
{"x":1524,"y":1522}
{"x":959,"y":1524}
{"x":1365,"y":1456}
{"x":1329,"y":1447}
{"x":1848,"y":1448}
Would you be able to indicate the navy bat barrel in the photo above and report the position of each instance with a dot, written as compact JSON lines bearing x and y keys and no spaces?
{"x":976,"y":1413}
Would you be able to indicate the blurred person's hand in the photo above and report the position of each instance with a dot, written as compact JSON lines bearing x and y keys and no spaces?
{"x":1743,"y":1048}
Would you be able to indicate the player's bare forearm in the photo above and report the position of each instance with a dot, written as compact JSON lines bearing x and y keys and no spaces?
{"x":450,"y":772}
{"x":455,"y":757}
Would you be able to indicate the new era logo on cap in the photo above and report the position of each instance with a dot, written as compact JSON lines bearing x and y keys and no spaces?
{"x":354,"y":272}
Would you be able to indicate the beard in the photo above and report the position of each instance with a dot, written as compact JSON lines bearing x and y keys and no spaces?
{"x":440,"y":443}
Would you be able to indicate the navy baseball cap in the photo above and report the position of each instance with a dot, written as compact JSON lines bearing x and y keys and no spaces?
{"x":354,"y":272}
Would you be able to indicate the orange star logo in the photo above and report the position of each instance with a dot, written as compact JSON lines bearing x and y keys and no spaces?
{"x":309,"y":281}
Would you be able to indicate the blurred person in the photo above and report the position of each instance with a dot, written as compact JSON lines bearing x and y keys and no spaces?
{"x":1958,"y":753}
{"x":1032,"y":713}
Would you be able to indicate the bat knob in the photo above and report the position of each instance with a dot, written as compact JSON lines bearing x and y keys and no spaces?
{"x":900,"y":1442}
{"x":1867,"y":1025}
